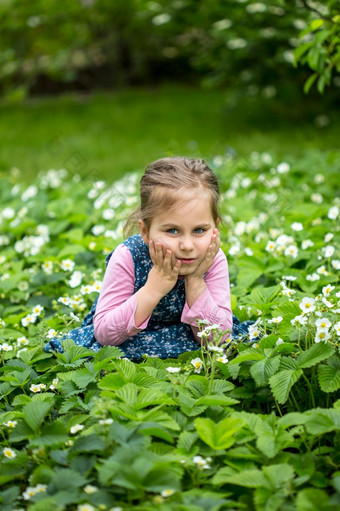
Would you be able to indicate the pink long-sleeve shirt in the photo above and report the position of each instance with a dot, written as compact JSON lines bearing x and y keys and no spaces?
{"x":114,"y":318}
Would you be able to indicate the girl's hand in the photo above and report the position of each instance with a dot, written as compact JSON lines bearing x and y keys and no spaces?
{"x":209,"y":256}
{"x":164,"y":274}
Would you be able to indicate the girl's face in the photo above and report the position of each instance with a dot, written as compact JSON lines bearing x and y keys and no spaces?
{"x":186,"y":230}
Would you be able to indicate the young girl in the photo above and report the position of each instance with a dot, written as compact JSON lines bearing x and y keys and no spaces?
{"x":157,"y":283}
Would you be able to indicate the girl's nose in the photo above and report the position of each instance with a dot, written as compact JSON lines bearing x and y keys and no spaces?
{"x":186,"y":244}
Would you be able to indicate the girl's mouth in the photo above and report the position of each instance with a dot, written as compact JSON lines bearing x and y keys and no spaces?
{"x":187,"y":261}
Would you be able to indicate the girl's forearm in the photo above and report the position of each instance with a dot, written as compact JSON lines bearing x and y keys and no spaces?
{"x":194,"y":287}
{"x":147,"y":299}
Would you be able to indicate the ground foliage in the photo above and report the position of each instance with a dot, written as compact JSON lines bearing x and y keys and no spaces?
{"x":254,"y":426}
{"x":98,"y":43}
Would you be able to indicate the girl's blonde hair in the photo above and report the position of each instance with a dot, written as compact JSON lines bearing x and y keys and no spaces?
{"x":163,"y":184}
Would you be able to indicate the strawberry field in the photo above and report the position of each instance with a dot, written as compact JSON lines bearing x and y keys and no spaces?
{"x":251,"y":425}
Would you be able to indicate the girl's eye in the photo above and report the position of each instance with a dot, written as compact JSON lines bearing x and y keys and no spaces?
{"x":200,"y":230}
{"x":171,"y":231}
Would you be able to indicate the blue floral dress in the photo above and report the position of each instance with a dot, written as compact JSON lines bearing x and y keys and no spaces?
{"x":165,"y":336}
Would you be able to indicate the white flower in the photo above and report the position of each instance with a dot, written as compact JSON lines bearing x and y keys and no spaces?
{"x":336,"y":264}
{"x":22,"y":340}
{"x":90,"y":489}
{"x":328,"y":251}
{"x":235,"y":44}
{"x":215,"y":348}
{"x":271,"y":246}
{"x":328,"y":237}
{"x":302,"y":320}
{"x":76,"y":428}
{"x":289,"y":277}
{"x":283,"y":168}
{"x":51,"y":333}
{"x":253,"y":331}
{"x":75,"y":279}
{"x":198,"y":364}
{"x":322,"y":271}
{"x":161,"y":19}
{"x":200,"y":462}
{"x":323,"y":324}
{"x":167,"y":493}
{"x":248,"y":251}
{"x":67,"y":265}
{"x":321,"y":336}
{"x":54,"y":384}
{"x":11,"y":424}
{"x":291,"y":250}
{"x":66,"y":300}
{"x":326,"y":290}
{"x":307,"y":244}
{"x":27,"y":320}
{"x":9,"y":453}
{"x":297,"y":226}
{"x":221,"y":25}
{"x":97,"y":230}
{"x":278,"y":319}
{"x":316,"y":198}
{"x":333,"y":213}
{"x":256,"y":7}
{"x":21,"y":351}
{"x":6,"y":347}
{"x":37,"y":387}
{"x":173,"y":369}
{"x":327,"y":302}
{"x":106,"y":422}
{"x":312,"y":277}
{"x":73,"y":316}
{"x":23,"y":285}
{"x":336,"y":327}
{"x":279,"y":341}
{"x":222,"y":358}
{"x":307,"y":305}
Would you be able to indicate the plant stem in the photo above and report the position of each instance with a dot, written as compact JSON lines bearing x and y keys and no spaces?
{"x":279,"y":409}
{"x":310,"y":389}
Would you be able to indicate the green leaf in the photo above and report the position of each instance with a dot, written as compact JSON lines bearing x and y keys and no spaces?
{"x":125,"y":369}
{"x":329,"y":375}
{"x":248,"y":479}
{"x":53,"y":434}
{"x":262,"y":370}
{"x":312,"y":499}
{"x":320,"y":421}
{"x":89,"y":443}
{"x":309,"y":82}
{"x":216,"y":401}
{"x":82,"y":377}
{"x":248,"y":354}
{"x":315,"y":354}
{"x":35,"y":412}
{"x":111,"y":382}
{"x":316,"y":24}
{"x":278,"y":475}
{"x":152,"y":396}
{"x":218,"y":436}
{"x":186,"y":440}
{"x":282,"y":382}
{"x":128,"y":393}
{"x":65,"y":479}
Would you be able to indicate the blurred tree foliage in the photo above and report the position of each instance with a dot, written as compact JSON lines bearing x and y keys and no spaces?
{"x":52,"y":45}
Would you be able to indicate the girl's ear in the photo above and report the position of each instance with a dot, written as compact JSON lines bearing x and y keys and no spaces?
{"x":143,"y":230}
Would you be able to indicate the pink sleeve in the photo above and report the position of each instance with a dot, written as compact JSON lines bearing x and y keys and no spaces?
{"x":214,"y":303}
{"x":114,"y":318}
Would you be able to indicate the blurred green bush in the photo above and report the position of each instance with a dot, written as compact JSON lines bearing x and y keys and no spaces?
{"x":53,"y":45}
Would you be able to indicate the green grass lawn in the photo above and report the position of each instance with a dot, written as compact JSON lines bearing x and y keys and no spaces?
{"x":108,"y":134}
